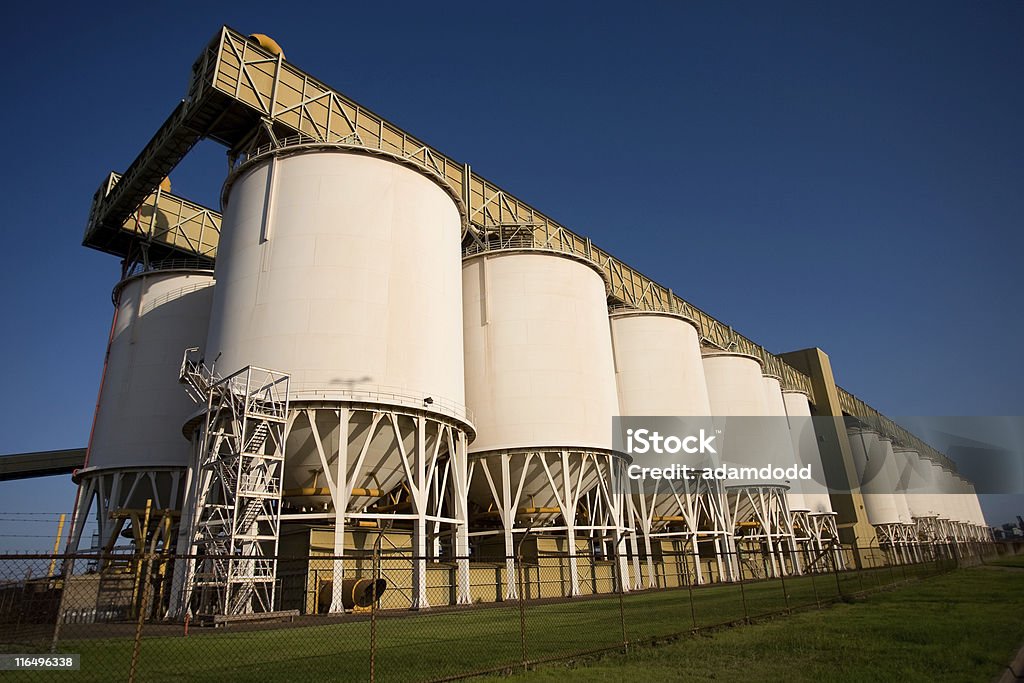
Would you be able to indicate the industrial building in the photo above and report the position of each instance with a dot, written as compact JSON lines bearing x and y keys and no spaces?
{"x":371,"y":342}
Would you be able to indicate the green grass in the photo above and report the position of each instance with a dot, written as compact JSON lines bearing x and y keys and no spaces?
{"x":961,"y":626}
{"x":978,"y":604}
{"x":1009,"y":561}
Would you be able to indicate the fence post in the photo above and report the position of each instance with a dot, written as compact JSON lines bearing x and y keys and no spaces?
{"x":375,"y":573}
{"x":143,"y":570}
{"x":522,"y":606}
{"x":782,"y":575}
{"x":743,"y":592}
{"x":689,"y":588}
{"x":835,"y":570}
{"x":620,"y":586}
{"x":814,"y":587}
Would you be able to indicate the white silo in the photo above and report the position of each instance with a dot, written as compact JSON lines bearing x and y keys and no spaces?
{"x":896,"y":464}
{"x":760,"y":514}
{"x":341,"y":268}
{"x":917,"y":483}
{"x":984,"y":532}
{"x":821,"y":516}
{"x":785,"y":456}
{"x":137,"y":451}
{"x":659,"y":372}
{"x":869,"y":455}
{"x":540,"y":381}
{"x":965,"y":508}
{"x":942,"y":504}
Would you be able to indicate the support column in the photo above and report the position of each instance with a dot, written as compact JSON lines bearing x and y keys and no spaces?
{"x":339,"y":499}
{"x":460,"y":478}
{"x":418,"y":494}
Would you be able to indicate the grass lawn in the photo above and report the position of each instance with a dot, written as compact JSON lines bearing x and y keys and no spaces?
{"x":963,"y":626}
{"x":1010,"y":561}
{"x":960,"y":626}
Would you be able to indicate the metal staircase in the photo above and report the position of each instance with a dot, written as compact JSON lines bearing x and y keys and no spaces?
{"x":236,"y":500}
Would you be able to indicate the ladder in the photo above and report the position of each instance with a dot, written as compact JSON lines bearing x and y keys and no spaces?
{"x":235,"y":501}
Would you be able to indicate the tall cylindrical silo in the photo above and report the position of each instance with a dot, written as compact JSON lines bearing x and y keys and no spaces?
{"x":892,"y":464}
{"x":948,"y":504}
{"x":760,"y":513}
{"x":775,"y":403}
{"x":816,"y":498}
{"x":895,"y":466}
{"x":540,"y":381}
{"x":938,"y":502}
{"x":868,"y":457}
{"x":659,"y":372}
{"x":979,"y":514}
{"x":137,"y":451}
{"x":805,"y":445}
{"x":341,"y":268}
{"x":964,"y":507}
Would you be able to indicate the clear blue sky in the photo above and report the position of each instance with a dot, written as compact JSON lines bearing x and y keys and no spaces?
{"x":842,"y":175}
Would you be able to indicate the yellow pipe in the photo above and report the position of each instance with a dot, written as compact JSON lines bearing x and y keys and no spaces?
{"x":321,"y":491}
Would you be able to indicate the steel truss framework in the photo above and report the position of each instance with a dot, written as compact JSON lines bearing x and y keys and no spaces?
{"x":824,"y":538}
{"x":695,"y":511}
{"x":900,"y":540}
{"x":117,"y":495}
{"x":760,"y":516}
{"x":585,"y":485}
{"x":426,"y":460}
{"x":232,"y":524}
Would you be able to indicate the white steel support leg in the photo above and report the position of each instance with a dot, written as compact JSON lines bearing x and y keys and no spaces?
{"x":418,"y":490}
{"x":698,"y":572}
{"x":460,"y":477}
{"x":508,"y":518}
{"x":574,"y":570}
{"x":419,"y":570}
{"x":652,"y":579}
{"x":635,"y":547}
{"x":570,"y":499}
{"x":340,"y":492}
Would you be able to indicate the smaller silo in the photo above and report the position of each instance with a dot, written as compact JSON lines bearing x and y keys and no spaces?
{"x":137,"y":452}
{"x":821,"y":517}
{"x":760,"y":511}
{"x":659,"y":372}
{"x":869,"y":455}
{"x":540,"y":381}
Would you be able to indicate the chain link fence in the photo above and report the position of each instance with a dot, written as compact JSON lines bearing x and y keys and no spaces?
{"x":405,"y":619}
